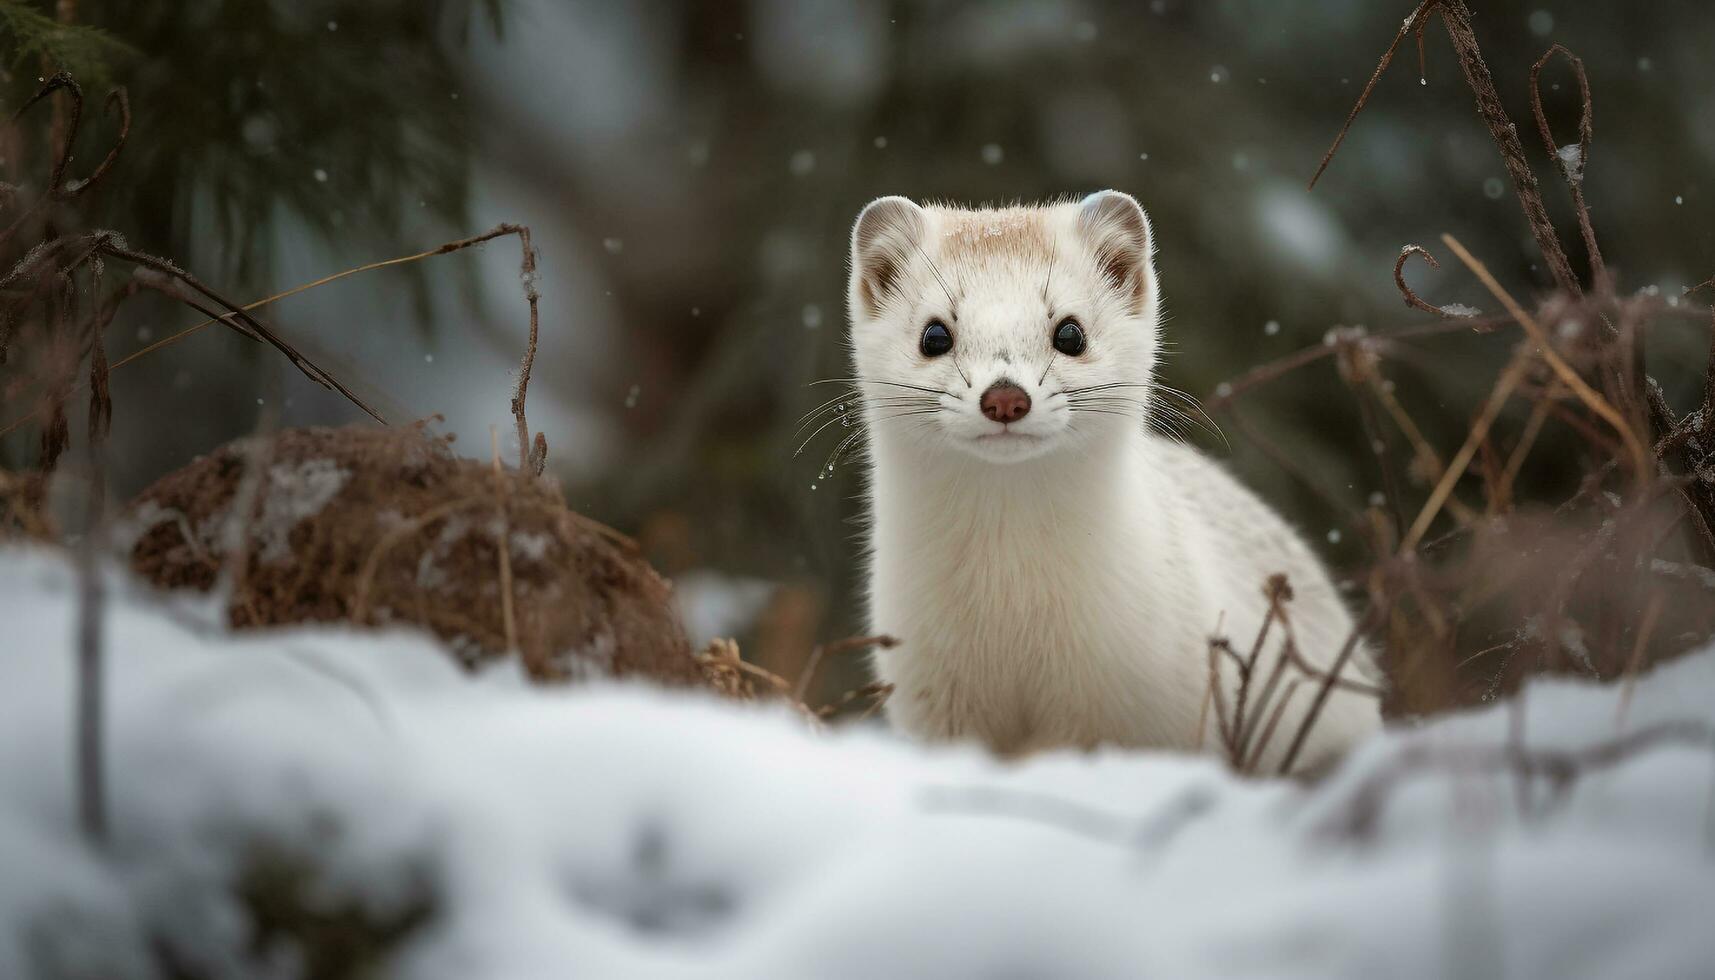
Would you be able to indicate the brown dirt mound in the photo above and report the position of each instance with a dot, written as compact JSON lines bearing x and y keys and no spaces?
{"x":387,"y":526}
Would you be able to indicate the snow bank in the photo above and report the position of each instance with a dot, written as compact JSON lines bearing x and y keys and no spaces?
{"x":493,"y":829}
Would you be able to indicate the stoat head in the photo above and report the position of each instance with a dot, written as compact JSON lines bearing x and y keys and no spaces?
{"x":1007,"y":334}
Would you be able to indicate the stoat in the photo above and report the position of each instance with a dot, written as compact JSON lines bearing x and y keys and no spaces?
{"x":1053,"y":569}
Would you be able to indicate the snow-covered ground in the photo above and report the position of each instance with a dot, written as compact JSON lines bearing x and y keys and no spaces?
{"x":615,"y":831}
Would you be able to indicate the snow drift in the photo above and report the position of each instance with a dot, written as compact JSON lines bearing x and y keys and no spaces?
{"x":309,"y":801}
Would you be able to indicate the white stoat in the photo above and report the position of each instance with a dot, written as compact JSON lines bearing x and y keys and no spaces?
{"x":1054,"y":570}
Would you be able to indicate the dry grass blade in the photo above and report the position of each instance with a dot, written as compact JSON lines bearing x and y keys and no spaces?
{"x":163,"y":276}
{"x":1646,"y":628}
{"x":1642,"y":465}
{"x":229,"y":319}
{"x":1462,"y":459}
{"x":394,"y":537}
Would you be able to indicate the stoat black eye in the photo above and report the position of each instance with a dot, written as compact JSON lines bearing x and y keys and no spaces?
{"x":937,"y":339}
{"x":1069,"y":338}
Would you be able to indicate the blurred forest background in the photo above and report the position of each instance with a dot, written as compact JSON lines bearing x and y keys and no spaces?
{"x":690,"y":171}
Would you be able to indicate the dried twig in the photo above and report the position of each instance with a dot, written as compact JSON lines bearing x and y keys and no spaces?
{"x":1325,"y":689}
{"x":1415,"y":20}
{"x":1462,"y":459}
{"x":1410,"y":296}
{"x":1652,"y":613}
{"x":1572,"y":170}
{"x":91,"y":708}
{"x":807,"y":676}
{"x":503,"y":546}
{"x":171,"y":280}
{"x":1642,"y":466}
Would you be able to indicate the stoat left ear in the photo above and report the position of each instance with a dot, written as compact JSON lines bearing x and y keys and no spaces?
{"x":1118,"y":233}
{"x":883,"y":239}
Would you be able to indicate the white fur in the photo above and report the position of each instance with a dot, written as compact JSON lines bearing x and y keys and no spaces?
{"x":1056,"y":583}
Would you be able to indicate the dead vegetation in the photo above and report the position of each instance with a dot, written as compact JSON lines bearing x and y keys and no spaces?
{"x":1471,"y":587}
{"x":369,"y":526}
{"x":387,"y":526}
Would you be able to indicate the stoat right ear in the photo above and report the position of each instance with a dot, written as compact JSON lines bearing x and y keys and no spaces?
{"x":886,"y":234}
{"x":1117,"y":230}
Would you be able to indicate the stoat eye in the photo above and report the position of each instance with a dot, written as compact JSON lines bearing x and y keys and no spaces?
{"x":1069,"y":338}
{"x":937,"y":339}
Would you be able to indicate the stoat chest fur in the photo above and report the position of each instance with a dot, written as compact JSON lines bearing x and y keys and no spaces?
{"x":1052,"y":567}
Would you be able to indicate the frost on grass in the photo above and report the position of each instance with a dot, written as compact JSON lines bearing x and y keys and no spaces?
{"x":317,"y":802}
{"x":1571,"y":158}
{"x":295,"y":492}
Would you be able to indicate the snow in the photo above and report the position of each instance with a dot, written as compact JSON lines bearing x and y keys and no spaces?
{"x":713,"y":605}
{"x":1571,"y":158}
{"x":617,"y":831}
{"x":296,"y":491}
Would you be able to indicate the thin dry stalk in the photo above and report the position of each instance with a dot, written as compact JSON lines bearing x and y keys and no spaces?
{"x":1427,"y":457}
{"x":1462,"y":459}
{"x":503,"y":547}
{"x":91,"y":707}
{"x":531,"y":460}
{"x":394,"y":537}
{"x":1415,"y":20}
{"x":1641,"y":465}
{"x":230,"y":319}
{"x":878,"y":691}
{"x":1526,"y":441}
{"x":1572,"y":171}
{"x":1324,"y":690}
{"x":807,"y":676}
{"x":1646,"y":627}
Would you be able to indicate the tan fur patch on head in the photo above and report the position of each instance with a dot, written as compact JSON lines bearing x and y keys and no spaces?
{"x":1019,"y":234}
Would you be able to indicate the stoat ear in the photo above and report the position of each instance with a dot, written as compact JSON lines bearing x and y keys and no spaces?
{"x":887,"y":233}
{"x":1117,"y":230}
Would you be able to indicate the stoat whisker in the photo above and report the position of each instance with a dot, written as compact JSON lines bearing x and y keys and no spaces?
{"x":875,"y":381}
{"x":812,"y":437}
{"x":953,"y":304}
{"x":1114,"y":412}
{"x":854,"y":399}
{"x":846,"y":416}
{"x":1110,"y":386}
{"x":1207,"y":424}
{"x":854,"y":408}
{"x":1182,"y":422}
{"x":839,"y":452}
{"x":819,"y":409}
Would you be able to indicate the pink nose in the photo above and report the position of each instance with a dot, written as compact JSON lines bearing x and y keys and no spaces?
{"x":1005,"y":402}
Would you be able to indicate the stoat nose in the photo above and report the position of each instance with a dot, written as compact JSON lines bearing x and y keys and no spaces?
{"x":1005,"y":402}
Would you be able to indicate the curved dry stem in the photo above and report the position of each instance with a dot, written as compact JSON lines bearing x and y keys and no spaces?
{"x":1410,"y":296}
{"x":1572,"y":172}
